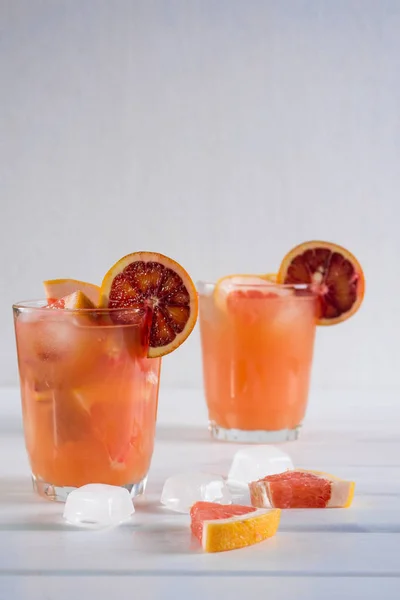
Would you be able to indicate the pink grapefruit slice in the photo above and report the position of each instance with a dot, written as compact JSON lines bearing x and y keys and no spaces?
{"x":75,"y":301}
{"x":232,"y":288}
{"x":300,"y":488}
{"x":55,"y":289}
{"x":228,"y":527}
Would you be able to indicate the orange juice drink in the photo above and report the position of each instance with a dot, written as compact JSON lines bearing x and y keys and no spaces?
{"x":89,"y":397}
{"x":257,"y":346}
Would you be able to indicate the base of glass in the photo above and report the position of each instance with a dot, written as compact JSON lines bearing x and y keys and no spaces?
{"x":59,"y":493}
{"x":255,"y":436}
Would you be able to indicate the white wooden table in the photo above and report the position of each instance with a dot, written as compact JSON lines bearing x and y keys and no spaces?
{"x":325,"y":554}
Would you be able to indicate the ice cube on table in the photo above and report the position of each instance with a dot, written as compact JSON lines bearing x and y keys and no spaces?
{"x":181,"y":491}
{"x":98,"y":505}
{"x":255,"y":462}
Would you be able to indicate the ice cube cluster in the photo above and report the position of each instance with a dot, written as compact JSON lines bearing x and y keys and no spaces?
{"x":249,"y":464}
{"x":98,"y":505}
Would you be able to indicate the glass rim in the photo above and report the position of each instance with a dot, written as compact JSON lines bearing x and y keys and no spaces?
{"x":40,"y":305}
{"x":264,"y":284}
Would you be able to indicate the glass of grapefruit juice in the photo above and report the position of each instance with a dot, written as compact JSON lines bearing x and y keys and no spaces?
{"x":89,"y":397}
{"x":257,"y":347}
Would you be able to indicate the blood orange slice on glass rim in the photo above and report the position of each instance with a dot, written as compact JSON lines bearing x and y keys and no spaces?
{"x":332,"y":272}
{"x":160,"y":288}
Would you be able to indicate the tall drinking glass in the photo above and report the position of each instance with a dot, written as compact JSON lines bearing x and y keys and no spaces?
{"x":257,"y":347}
{"x":89,"y":397}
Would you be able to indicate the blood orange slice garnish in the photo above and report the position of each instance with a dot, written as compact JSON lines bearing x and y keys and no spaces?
{"x":55,"y":289}
{"x":219,"y":527}
{"x":161,"y":288}
{"x":300,"y":488}
{"x":332,"y":272}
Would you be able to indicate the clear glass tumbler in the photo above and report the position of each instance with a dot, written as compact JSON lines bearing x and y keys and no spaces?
{"x":257,"y":348}
{"x":89,"y":397}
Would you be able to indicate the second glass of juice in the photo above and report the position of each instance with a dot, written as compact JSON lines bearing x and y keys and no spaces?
{"x":89,"y":397}
{"x":257,"y":347}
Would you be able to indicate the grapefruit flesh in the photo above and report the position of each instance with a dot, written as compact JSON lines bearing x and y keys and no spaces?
{"x":158,"y":288}
{"x":229,"y":291}
{"x":301,"y":489}
{"x":55,"y":289}
{"x":220,"y":527}
{"x":75,"y":301}
{"x":332,"y":272}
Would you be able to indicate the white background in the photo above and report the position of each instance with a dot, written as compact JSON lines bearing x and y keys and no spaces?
{"x":220,"y":132}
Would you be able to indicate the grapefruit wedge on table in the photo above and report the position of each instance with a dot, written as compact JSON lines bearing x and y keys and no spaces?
{"x":333,"y":273}
{"x":301,"y":488}
{"x":55,"y":289}
{"x":228,"y":527}
{"x":162,"y":289}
